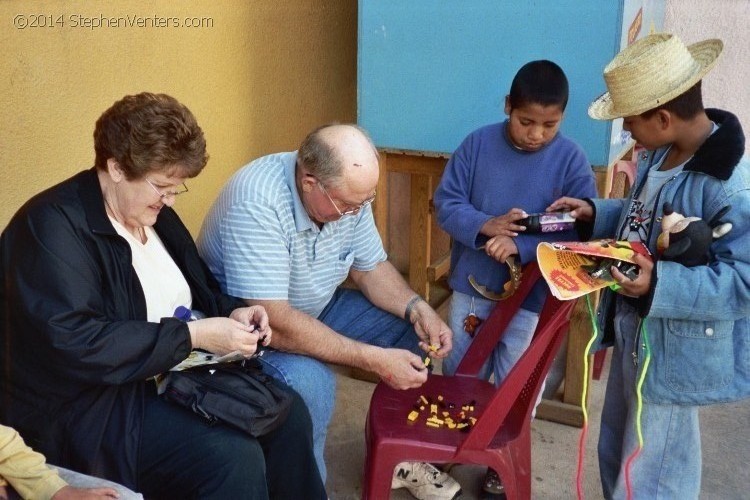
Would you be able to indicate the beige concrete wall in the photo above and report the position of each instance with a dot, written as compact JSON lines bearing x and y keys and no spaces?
{"x":727,"y":85}
{"x":258,"y":75}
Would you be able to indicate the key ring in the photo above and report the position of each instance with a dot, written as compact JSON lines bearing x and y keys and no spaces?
{"x":472,"y":321}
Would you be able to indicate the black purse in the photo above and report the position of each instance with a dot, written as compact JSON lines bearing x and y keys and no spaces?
{"x":238,"y":394}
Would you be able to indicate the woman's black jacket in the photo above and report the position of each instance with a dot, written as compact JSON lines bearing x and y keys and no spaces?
{"x":77,"y":352}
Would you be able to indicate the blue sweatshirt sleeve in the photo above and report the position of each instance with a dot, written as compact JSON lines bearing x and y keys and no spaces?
{"x":455,"y":212}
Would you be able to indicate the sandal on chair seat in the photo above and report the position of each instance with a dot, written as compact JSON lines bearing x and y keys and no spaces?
{"x":492,"y":483}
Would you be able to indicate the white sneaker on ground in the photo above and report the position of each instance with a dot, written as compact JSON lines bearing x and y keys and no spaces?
{"x":425,"y":482}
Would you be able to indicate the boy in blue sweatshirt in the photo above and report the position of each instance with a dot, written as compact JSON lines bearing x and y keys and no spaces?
{"x":498,"y":175}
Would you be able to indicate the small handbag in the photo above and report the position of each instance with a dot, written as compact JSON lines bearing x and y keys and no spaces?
{"x":238,"y":394}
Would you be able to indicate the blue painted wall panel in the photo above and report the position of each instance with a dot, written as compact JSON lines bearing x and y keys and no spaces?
{"x":431,"y":71}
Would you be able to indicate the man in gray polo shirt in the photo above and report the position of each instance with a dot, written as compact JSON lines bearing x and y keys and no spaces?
{"x":285,"y":232}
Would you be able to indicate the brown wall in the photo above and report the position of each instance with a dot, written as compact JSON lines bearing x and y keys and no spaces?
{"x":258,"y":75}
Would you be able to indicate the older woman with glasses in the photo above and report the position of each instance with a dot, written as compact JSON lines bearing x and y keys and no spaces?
{"x":93,"y":270}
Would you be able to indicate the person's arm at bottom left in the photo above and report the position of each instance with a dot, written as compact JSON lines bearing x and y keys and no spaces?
{"x":28,"y":473}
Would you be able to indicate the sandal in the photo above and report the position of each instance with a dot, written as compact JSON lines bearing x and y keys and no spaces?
{"x":492,"y":483}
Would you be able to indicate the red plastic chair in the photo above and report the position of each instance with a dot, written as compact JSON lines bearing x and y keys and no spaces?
{"x":501,"y":437}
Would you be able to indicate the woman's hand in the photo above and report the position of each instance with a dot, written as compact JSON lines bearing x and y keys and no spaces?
{"x":257,"y":317}
{"x":223,"y":335}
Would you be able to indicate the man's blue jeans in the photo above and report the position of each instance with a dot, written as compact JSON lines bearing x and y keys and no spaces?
{"x":352,"y":315}
{"x":507,"y":352}
{"x":669,"y":465}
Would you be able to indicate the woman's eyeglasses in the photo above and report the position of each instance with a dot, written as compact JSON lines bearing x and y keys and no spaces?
{"x":167,"y":194}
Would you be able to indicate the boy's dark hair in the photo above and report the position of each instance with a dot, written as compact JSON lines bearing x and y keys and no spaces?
{"x":539,"y":82}
{"x":685,"y":106}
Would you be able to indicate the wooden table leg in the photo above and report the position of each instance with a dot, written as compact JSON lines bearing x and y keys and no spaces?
{"x":420,"y":233}
{"x":380,"y":206}
{"x":568,"y":410}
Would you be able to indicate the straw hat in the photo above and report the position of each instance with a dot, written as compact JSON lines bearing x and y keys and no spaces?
{"x":652,"y":71}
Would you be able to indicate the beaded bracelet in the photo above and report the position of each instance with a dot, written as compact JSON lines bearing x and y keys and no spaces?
{"x":410,"y":306}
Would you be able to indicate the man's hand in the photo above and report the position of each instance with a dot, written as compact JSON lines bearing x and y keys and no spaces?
{"x":639,"y":286}
{"x":71,"y":493}
{"x":579,"y":209}
{"x":399,"y":368}
{"x":500,"y":248}
{"x":505,"y":225}
{"x":431,"y":330}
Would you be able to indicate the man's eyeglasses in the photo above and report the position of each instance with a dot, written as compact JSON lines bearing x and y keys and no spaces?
{"x":167,"y":194}
{"x":348,"y":211}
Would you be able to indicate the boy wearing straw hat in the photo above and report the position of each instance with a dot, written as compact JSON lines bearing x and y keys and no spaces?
{"x":683,"y":332}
